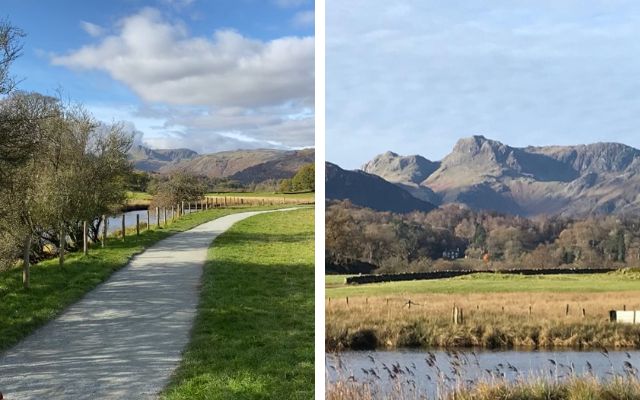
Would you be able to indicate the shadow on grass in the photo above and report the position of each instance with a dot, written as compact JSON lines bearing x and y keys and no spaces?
{"x":255,"y":340}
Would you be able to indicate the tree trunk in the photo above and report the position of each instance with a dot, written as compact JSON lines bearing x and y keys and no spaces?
{"x":26,"y":261}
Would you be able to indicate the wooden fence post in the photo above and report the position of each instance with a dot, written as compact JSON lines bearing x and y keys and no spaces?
{"x":104,"y":230}
{"x":26,"y":273}
{"x":137,"y":224}
{"x":124,"y":228}
{"x":347,"y":300}
{"x":61,"y":246}
{"x":85,"y":242}
{"x":566,"y":313}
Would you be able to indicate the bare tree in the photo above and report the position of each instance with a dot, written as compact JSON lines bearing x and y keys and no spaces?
{"x":10,"y":50}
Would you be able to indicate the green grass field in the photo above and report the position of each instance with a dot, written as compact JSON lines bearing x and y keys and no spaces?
{"x":139,"y":196}
{"x":53,"y":287}
{"x":490,"y":283}
{"x":254,"y":334}
{"x":307,"y":195}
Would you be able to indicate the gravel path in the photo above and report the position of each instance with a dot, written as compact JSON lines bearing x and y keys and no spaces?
{"x":123,"y":339}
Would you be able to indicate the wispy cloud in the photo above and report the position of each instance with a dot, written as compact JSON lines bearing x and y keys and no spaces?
{"x":304,"y":18}
{"x":92,"y":29}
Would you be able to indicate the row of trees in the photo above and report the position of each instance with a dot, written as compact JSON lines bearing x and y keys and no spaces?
{"x":458,"y":237}
{"x":59,"y":167}
{"x":302,"y":181}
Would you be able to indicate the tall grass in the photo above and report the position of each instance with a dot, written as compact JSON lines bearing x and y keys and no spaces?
{"x":491,"y":320}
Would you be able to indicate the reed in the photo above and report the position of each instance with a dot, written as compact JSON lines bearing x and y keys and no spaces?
{"x":461,"y":377}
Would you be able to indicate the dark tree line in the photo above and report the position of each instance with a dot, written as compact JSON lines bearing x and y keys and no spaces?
{"x":456,"y":237}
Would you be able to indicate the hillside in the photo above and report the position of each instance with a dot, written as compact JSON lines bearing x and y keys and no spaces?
{"x":370,"y":191}
{"x":282,"y":167}
{"x":245,"y":166}
{"x":578,"y":180}
{"x":149,"y":160}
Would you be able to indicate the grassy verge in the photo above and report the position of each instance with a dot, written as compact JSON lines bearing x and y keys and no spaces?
{"x":570,"y":311}
{"x":53,"y":287}
{"x":254,"y":334}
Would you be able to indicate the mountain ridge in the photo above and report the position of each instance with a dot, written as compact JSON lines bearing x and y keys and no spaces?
{"x":571,"y":180}
{"x":243,"y":166}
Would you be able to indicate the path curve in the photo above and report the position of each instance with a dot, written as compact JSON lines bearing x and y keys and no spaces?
{"x":124,"y":338}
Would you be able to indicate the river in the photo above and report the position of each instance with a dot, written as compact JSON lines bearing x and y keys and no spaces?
{"x":115,"y":222}
{"x":431,"y":373}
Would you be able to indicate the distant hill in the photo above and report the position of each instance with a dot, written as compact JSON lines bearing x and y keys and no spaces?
{"x":283,"y":167}
{"x":369,"y":190}
{"x":150,"y":160}
{"x":578,"y":180}
{"x":405,"y":171}
{"x":244,"y":166}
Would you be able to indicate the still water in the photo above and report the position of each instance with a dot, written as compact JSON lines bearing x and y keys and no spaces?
{"x":115,"y":222}
{"x":432,"y":373}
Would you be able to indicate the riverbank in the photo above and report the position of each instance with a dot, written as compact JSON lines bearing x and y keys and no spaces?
{"x":494,"y":312}
{"x":53,"y":287}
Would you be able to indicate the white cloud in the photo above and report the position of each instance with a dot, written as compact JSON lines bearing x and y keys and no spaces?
{"x":304,"y":18}
{"x":92,"y":29}
{"x":161,"y":63}
{"x":209,"y":94}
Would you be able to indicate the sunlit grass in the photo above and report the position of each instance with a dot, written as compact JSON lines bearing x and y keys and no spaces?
{"x":491,"y":283}
{"x":254,"y":334}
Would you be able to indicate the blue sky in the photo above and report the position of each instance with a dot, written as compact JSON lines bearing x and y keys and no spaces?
{"x":208,"y":75}
{"x":415,"y":76}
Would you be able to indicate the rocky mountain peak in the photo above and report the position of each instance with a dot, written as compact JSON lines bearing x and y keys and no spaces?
{"x":403,"y":169}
